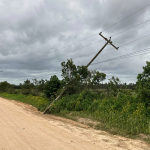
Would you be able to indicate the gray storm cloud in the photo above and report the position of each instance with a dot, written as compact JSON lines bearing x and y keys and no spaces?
{"x":34,"y":37}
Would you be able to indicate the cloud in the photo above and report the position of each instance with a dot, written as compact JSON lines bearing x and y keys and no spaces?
{"x":34,"y":36}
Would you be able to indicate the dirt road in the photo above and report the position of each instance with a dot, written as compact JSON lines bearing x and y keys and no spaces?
{"x":22,"y":127}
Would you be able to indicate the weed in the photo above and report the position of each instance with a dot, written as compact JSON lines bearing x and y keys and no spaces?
{"x":124,"y":114}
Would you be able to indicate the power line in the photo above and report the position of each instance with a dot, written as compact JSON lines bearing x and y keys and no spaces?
{"x":103,"y":30}
{"x":137,"y":53}
{"x":131,"y":27}
{"x":130,"y":42}
{"x":106,"y":49}
{"x":115,"y":35}
{"x":135,"y":40}
{"x":119,"y":46}
{"x":125,"y":18}
{"x":125,"y":56}
{"x":117,"y":57}
{"x":80,"y":41}
{"x":122,"y":32}
{"x":70,"y":44}
{"x":72,"y":51}
{"x":101,"y":40}
{"x":110,"y":26}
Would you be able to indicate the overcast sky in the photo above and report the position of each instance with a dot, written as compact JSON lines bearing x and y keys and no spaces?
{"x":35,"y":34}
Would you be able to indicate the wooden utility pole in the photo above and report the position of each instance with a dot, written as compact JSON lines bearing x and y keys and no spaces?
{"x":107,"y":42}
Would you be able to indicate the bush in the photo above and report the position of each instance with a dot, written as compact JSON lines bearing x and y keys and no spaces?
{"x":5,"y":87}
{"x":143,"y":85}
{"x":124,"y":114}
{"x":84,"y":100}
{"x":52,"y":86}
{"x":113,"y":85}
{"x":26,"y":91}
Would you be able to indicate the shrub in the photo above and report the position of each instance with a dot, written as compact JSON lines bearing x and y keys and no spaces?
{"x":113,"y":85}
{"x":123,"y":114}
{"x":143,"y":85}
{"x":5,"y":87}
{"x":52,"y":86}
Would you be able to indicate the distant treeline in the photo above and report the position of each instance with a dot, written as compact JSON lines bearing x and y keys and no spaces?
{"x":100,"y":86}
{"x":105,"y":86}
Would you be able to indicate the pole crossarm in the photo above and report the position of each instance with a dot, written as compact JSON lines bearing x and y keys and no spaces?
{"x":109,"y":41}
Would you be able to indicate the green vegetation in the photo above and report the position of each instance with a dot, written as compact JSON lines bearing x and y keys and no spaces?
{"x":124,"y":114}
{"x":74,"y":76}
{"x":39,"y":102}
{"x":143,"y":84}
{"x":119,"y":108}
{"x":52,"y":86}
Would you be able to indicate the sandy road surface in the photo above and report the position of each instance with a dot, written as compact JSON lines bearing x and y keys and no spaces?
{"x":22,"y":127}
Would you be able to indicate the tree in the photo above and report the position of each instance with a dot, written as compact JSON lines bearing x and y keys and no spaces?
{"x":52,"y":86}
{"x":5,"y":86}
{"x":69,"y":75}
{"x":69,"y":70}
{"x":83,"y":73}
{"x":27,"y":87}
{"x":73,"y":76}
{"x":114,"y":85}
{"x":98,"y":77}
{"x":27,"y":84}
{"x":143,"y":84}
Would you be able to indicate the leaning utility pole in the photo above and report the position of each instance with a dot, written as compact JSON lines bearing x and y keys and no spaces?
{"x":107,"y":42}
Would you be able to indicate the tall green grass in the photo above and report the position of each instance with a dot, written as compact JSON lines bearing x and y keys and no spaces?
{"x":39,"y":102}
{"x":124,"y":114}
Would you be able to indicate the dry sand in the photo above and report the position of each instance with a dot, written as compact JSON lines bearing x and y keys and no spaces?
{"x":22,"y":127}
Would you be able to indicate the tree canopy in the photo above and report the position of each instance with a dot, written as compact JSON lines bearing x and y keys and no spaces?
{"x":143,"y":84}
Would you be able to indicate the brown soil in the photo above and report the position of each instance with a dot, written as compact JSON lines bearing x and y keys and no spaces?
{"x":22,"y":127}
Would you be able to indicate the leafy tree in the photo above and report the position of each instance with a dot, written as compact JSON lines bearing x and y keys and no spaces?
{"x":27,"y":84}
{"x":69,"y":70}
{"x":62,"y":83}
{"x":52,"y":86}
{"x":69,"y":75}
{"x":82,"y":73}
{"x":5,"y":86}
{"x":143,"y":84}
{"x":98,"y":77}
{"x":27,"y":87}
{"x":73,"y":76}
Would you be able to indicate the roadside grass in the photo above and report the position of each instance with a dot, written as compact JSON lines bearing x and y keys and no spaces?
{"x":100,"y":125}
{"x":125,"y":114}
{"x":39,"y":102}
